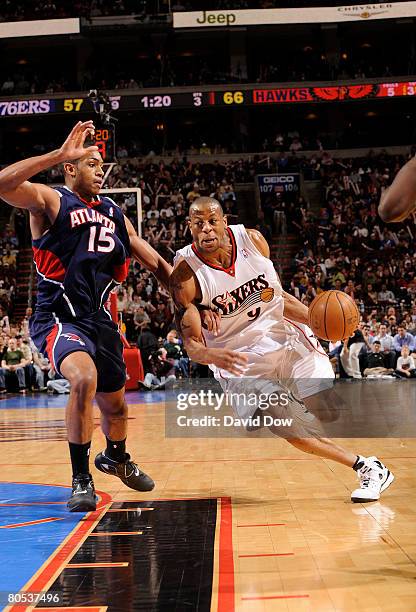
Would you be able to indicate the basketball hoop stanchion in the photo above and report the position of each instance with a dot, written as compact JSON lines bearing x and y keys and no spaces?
{"x":131,"y":355}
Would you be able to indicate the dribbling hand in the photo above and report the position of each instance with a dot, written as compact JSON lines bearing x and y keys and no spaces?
{"x":232,"y":362}
{"x":73,"y":147}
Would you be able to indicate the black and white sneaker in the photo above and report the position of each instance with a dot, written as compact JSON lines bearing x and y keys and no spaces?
{"x":126,"y":470}
{"x":83,"y":498}
{"x":374,"y":478}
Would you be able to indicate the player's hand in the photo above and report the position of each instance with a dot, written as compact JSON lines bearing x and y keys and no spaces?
{"x":231,"y":361}
{"x":73,"y":147}
{"x":210,"y":320}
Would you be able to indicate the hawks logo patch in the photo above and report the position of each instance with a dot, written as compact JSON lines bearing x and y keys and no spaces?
{"x":73,"y":338}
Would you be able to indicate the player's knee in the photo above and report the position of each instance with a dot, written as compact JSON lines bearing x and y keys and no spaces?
{"x":83,"y":383}
{"x":115,"y":410}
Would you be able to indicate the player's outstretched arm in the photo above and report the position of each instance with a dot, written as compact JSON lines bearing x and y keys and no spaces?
{"x":399,"y":200}
{"x":294,"y":309}
{"x":148,"y":257}
{"x":15,"y":187}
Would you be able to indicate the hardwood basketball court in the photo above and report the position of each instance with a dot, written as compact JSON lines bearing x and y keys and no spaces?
{"x":233,"y":524}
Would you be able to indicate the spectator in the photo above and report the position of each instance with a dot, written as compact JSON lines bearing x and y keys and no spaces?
{"x":174,"y":351}
{"x":162,"y":371}
{"x":387,"y":346}
{"x":376,"y":362}
{"x":349,"y":354}
{"x":403,"y":338}
{"x":405,"y":364}
{"x":386,"y":296}
{"x":13,"y":362}
{"x":141,"y":319}
{"x":42,"y":367}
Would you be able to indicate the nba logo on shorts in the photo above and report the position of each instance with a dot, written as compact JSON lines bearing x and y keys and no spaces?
{"x":74,"y":338}
{"x":245,"y":254}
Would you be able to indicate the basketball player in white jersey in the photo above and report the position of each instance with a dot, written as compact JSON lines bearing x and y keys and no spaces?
{"x":263,"y":332}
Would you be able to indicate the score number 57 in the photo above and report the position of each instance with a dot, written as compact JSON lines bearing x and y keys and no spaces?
{"x":73,"y":104}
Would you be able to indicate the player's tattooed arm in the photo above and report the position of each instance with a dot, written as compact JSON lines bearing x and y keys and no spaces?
{"x":399,"y":200}
{"x":294,"y":309}
{"x":148,"y":257}
{"x":186,"y":293}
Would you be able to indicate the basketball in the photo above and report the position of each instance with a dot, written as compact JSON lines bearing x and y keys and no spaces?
{"x":333,"y":315}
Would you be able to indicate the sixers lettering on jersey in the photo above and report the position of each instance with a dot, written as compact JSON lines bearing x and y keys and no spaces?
{"x":82,"y":256}
{"x":244,"y":297}
{"x":248,"y":294}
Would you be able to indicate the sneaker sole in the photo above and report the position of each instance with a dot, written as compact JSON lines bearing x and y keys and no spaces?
{"x":83,"y":506}
{"x":384,"y":486}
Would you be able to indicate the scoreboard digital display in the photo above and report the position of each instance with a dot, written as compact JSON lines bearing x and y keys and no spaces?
{"x":234,"y":96}
{"x":104,"y":139}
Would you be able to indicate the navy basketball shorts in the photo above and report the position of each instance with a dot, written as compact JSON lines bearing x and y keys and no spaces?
{"x":97,"y":335}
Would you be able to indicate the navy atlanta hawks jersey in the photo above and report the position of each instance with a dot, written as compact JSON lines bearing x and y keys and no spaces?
{"x":247,"y":295}
{"x":81,"y":257}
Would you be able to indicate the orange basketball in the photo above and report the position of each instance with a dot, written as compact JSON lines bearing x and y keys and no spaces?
{"x":333,"y":315}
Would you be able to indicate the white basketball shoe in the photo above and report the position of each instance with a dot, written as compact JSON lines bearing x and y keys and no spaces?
{"x":374,"y":478}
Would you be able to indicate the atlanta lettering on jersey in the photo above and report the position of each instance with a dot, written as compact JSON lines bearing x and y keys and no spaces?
{"x":86,"y":215}
{"x":243,"y":297}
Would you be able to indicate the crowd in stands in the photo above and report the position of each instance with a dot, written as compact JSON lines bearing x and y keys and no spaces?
{"x":347,"y":247}
{"x":170,"y":70}
{"x":343,"y":246}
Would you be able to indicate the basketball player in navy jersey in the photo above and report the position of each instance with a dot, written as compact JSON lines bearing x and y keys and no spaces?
{"x":82,"y":245}
{"x":263,"y":334}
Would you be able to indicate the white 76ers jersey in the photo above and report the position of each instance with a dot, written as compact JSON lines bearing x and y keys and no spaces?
{"x":247,"y":295}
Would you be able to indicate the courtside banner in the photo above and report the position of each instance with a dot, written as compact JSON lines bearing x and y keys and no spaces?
{"x":316,"y":14}
{"x":44,"y":27}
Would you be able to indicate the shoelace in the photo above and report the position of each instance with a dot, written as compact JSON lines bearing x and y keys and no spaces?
{"x":365,"y":481}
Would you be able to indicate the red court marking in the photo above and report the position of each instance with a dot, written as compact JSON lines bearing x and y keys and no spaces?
{"x":119,"y":564}
{"x":29,"y":523}
{"x":264,"y":525}
{"x":275,"y":597}
{"x":57,"y":561}
{"x":267,"y":555}
{"x":226,"y":559}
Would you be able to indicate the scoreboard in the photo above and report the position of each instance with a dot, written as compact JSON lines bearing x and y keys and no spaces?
{"x":104,"y":139}
{"x":229,"y":97}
